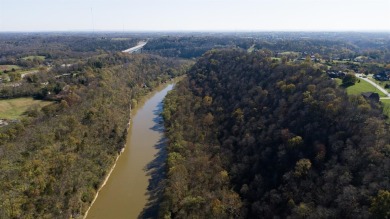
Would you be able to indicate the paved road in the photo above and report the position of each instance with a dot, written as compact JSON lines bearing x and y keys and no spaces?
{"x":136,"y":48}
{"x":376,"y":86}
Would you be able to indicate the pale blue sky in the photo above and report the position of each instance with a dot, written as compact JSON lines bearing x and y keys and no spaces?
{"x":187,"y":15}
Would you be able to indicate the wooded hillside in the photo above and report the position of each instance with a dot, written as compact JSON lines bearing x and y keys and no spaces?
{"x":53,"y":162}
{"x":251,"y":138}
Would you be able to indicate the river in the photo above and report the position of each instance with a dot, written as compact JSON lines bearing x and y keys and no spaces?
{"x":131,"y":188}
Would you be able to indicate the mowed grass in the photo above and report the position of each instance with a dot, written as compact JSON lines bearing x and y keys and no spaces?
{"x":364,"y":86}
{"x":8,"y":67}
{"x":381,"y":83}
{"x":14,"y":108}
{"x":386,"y":107}
{"x":361,"y":87}
{"x":42,"y":58}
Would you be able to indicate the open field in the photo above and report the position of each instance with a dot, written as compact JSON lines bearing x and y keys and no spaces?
{"x":42,"y":58}
{"x":360,"y":87}
{"x":290,"y":53}
{"x":14,"y":108}
{"x":363,"y":86}
{"x":8,"y":67}
{"x":345,"y":62}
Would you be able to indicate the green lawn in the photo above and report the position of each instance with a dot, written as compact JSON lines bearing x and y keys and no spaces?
{"x":386,"y":107}
{"x":8,"y":67}
{"x":14,"y":108}
{"x":381,"y":83}
{"x":42,"y":58}
{"x":362,"y":86}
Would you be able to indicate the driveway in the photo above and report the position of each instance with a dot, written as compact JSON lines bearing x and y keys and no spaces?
{"x":375,"y":85}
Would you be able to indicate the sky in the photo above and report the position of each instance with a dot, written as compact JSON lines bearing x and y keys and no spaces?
{"x":194,"y":15}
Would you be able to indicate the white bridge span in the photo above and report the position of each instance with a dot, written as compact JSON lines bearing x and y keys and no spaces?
{"x":136,"y":48}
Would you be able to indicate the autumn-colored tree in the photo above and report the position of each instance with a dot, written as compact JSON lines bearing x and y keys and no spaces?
{"x":380,"y":205}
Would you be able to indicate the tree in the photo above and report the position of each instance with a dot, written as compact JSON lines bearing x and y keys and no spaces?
{"x":302,"y":167}
{"x":14,"y":76}
{"x":295,"y":141}
{"x":349,"y":80}
{"x":208,"y":119}
{"x":207,"y":100}
{"x":380,"y":206}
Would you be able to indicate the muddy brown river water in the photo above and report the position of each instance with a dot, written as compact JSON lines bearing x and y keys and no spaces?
{"x":132,"y":182}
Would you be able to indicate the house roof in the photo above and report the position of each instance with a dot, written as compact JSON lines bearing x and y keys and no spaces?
{"x":371,"y":95}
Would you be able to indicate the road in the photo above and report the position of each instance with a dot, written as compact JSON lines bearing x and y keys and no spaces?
{"x":139,"y":46}
{"x":31,"y":72}
{"x":28,"y":73}
{"x":376,"y":86}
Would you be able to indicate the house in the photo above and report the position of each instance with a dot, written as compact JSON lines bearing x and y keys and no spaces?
{"x":338,"y":74}
{"x":384,"y":76}
{"x":371,"y":96}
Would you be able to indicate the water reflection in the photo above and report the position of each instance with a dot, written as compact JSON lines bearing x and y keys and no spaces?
{"x":156,"y":169}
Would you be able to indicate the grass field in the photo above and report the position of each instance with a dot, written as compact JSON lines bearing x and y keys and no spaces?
{"x":362,"y":86}
{"x":386,"y":107}
{"x":381,"y":83}
{"x":344,"y":62}
{"x":14,"y":108}
{"x":290,"y":53}
{"x":8,"y":67}
{"x":42,"y":58}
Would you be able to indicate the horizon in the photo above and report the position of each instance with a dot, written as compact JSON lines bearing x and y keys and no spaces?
{"x":195,"y":16}
{"x":199,"y":31}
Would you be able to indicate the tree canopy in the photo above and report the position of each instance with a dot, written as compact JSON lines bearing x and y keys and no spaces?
{"x":252,"y":138}
{"x":53,"y":162}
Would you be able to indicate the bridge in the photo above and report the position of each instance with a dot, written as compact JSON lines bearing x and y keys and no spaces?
{"x":136,"y":48}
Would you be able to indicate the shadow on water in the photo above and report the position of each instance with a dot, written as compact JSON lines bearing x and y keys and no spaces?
{"x":156,"y":169}
{"x":158,"y":119}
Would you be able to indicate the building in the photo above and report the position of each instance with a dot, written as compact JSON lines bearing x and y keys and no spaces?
{"x":371,"y":96}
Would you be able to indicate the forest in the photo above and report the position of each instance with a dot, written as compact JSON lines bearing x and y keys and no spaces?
{"x":255,"y":129}
{"x":251,"y":138}
{"x":54,"y":159}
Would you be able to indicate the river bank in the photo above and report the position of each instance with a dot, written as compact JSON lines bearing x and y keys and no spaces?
{"x":123,"y":166}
